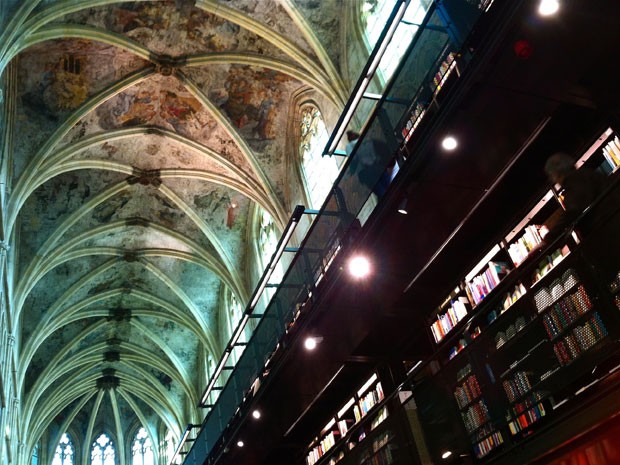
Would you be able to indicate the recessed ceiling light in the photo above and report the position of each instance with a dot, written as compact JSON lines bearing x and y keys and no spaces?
{"x":548,"y":7}
{"x":240,"y":443}
{"x":310,"y":343}
{"x":359,"y":266}
{"x":446,"y":454}
{"x":256,"y":414}
{"x":449,"y":143}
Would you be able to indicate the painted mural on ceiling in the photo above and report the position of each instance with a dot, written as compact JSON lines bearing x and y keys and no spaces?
{"x":148,"y":133}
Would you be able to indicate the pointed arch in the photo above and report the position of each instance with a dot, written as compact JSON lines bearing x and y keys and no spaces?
{"x":65,"y":451}
{"x":318,"y":172}
{"x":103,"y":451}
{"x":142,"y":450}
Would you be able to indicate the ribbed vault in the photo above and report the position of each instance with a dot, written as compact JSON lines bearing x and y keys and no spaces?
{"x":145,"y":135}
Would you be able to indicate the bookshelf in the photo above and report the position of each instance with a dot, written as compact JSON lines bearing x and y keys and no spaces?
{"x":445,"y":70}
{"x":474,"y":412}
{"x":611,"y":151}
{"x":532,"y":328}
{"x":413,"y":121}
{"x":345,"y":430}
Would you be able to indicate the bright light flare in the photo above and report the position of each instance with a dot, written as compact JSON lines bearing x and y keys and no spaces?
{"x":449,"y":143}
{"x":548,"y":7}
{"x":310,"y":343}
{"x":359,"y":267}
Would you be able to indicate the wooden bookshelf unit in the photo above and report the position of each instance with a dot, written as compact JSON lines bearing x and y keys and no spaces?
{"x":531,"y":333}
{"x":346,"y":428}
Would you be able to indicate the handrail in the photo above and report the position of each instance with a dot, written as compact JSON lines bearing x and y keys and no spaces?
{"x":327,"y":235}
{"x":368,"y":73}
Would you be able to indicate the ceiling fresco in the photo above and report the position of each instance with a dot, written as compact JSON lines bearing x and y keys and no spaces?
{"x":146,"y":135}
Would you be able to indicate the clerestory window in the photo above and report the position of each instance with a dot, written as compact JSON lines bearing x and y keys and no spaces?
{"x":170,"y":447}
{"x":142,"y":449}
{"x":102,"y":451}
{"x":319,"y":172}
{"x":64,"y":451}
{"x":268,"y":237}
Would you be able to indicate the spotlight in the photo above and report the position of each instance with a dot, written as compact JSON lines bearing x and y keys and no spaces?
{"x":449,"y":143}
{"x":310,"y":343}
{"x":446,"y":454}
{"x":256,"y":414}
{"x":359,"y":267}
{"x":240,"y":443}
{"x":402,"y":207}
{"x":548,"y":7}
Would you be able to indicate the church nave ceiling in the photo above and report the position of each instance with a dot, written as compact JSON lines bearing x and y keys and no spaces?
{"x":148,"y":135}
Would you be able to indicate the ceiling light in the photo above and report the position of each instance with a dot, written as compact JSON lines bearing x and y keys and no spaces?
{"x":548,"y":7}
{"x":359,"y":266}
{"x":256,"y":414}
{"x":310,"y":343}
{"x":449,"y":143}
{"x":446,"y":454}
{"x":402,"y":207}
{"x":240,"y":443}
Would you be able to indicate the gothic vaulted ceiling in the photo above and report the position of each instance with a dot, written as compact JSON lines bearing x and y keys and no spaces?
{"x":145,"y":133}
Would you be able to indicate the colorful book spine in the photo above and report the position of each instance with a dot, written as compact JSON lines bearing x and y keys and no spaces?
{"x":526,"y":419}
{"x":467,"y":392}
{"x":414,"y":120}
{"x":447,"y":321}
{"x":480,"y":286}
{"x":475,"y":416}
{"x":489,"y":443}
{"x":580,"y":340}
{"x":520,"y":249}
{"x":566,"y":311}
{"x":517,"y":386}
{"x":611,"y":152}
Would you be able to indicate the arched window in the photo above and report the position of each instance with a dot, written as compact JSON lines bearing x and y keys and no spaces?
{"x":374,"y":16}
{"x":319,"y":172}
{"x":210,"y":369}
{"x":64,"y":451}
{"x":34,"y":459}
{"x":142,"y":449}
{"x":102,"y":452}
{"x":235,"y":315}
{"x":170,"y":447}
{"x":267,"y":243}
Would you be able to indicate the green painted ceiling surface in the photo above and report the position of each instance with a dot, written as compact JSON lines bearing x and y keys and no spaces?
{"x":137,"y":125}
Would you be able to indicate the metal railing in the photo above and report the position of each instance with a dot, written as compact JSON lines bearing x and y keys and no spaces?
{"x":413,"y":84}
